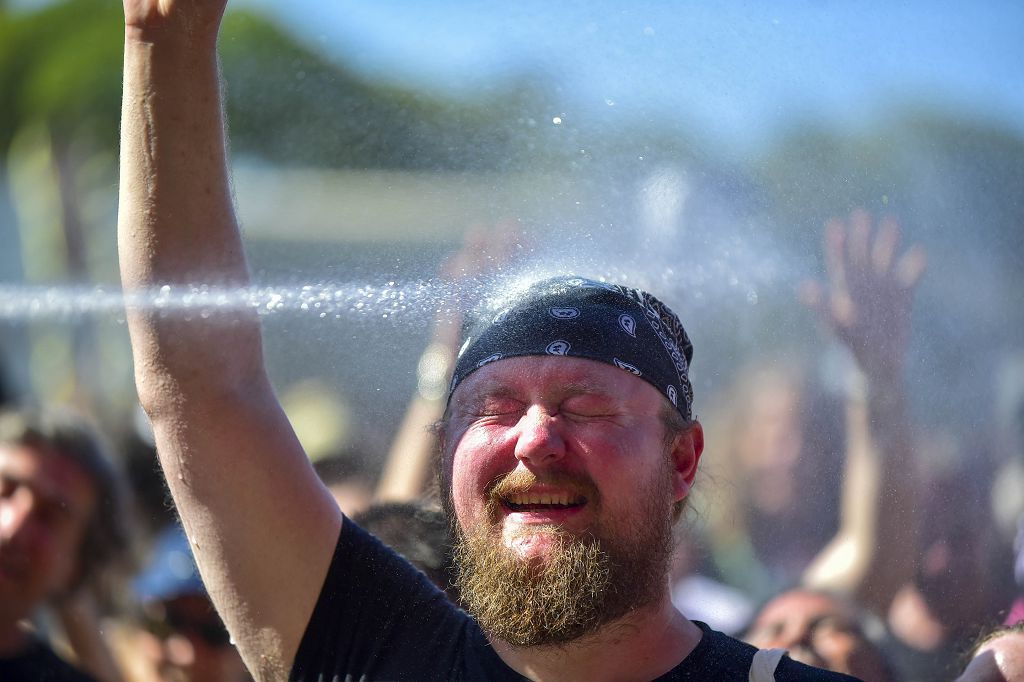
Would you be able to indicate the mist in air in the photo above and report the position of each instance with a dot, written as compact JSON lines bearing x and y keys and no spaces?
{"x":690,"y":151}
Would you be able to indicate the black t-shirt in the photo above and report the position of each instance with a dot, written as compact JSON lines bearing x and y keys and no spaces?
{"x":378,"y":618}
{"x":39,"y":664}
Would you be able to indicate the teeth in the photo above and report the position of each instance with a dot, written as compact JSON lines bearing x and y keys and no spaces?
{"x":561,"y":499}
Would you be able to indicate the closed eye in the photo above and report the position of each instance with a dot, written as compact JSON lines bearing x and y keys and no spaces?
{"x":589,"y":407}
{"x":496,"y":407}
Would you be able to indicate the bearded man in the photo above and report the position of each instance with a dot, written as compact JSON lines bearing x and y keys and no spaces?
{"x":567,"y":450}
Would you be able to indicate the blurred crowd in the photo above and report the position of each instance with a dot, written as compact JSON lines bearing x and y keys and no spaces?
{"x":826,"y":522}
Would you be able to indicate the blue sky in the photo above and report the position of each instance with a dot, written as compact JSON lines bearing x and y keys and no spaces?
{"x":733,"y":70}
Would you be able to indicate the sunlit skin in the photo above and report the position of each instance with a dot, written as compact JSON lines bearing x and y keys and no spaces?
{"x":591,"y":433}
{"x":46,"y":501}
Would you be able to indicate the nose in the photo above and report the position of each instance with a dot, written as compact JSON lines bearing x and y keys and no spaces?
{"x":539,"y":441}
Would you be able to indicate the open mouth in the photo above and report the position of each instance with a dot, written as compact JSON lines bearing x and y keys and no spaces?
{"x":533,"y":502}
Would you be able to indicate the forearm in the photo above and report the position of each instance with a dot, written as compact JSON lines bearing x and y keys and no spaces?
{"x":872,"y":554}
{"x":896,"y":522}
{"x":176,"y":222}
{"x":406,"y":474}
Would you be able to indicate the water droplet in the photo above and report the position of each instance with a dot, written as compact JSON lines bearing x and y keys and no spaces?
{"x":557,"y":120}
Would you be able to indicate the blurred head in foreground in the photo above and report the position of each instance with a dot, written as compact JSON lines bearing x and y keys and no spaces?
{"x":823,"y":631}
{"x":998,"y":658}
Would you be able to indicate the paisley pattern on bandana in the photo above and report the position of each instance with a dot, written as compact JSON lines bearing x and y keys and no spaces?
{"x":578,"y":317}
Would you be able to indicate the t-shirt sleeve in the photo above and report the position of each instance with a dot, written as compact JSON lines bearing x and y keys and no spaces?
{"x":379,"y":618}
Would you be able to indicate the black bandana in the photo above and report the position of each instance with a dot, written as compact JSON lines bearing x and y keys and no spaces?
{"x":582,"y":318}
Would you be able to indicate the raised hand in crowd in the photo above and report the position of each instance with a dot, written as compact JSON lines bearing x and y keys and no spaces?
{"x":869,"y":294}
{"x":867,"y":303}
{"x":484,"y":252}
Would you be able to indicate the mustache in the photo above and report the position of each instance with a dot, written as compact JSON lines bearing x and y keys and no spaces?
{"x":520,"y":481}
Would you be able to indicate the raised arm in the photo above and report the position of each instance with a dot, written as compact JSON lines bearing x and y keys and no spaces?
{"x":407,"y":470}
{"x":263,"y":528}
{"x":868,"y":304}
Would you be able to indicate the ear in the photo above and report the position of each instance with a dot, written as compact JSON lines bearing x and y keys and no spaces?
{"x":685,"y":455}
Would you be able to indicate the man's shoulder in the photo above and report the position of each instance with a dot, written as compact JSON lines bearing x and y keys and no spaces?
{"x":39,"y":663}
{"x":721,"y":657}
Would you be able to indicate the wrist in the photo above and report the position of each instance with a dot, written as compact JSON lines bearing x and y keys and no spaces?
{"x":432,"y":372}
{"x":173,"y":38}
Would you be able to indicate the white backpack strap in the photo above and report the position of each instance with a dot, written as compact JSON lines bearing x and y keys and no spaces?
{"x":762,"y":668}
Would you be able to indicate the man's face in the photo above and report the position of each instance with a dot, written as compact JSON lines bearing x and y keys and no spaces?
{"x":46,"y":500}
{"x":554,"y":458}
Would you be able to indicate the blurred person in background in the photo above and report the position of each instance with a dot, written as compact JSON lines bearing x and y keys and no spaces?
{"x":914,"y":554}
{"x":873,"y":555}
{"x":63,"y":531}
{"x":346,"y":477}
{"x":792,"y":444}
{"x":183,"y":638}
{"x":954,"y":590}
{"x":420,"y":532}
{"x":781,"y":442}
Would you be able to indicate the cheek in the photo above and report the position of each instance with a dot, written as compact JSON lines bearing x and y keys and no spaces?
{"x":474,"y":464}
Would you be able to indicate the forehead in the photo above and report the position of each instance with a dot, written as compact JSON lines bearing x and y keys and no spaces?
{"x":48,"y":473}
{"x":548,"y":377}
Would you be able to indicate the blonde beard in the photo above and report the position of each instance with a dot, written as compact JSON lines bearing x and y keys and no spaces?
{"x":585,"y":583}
